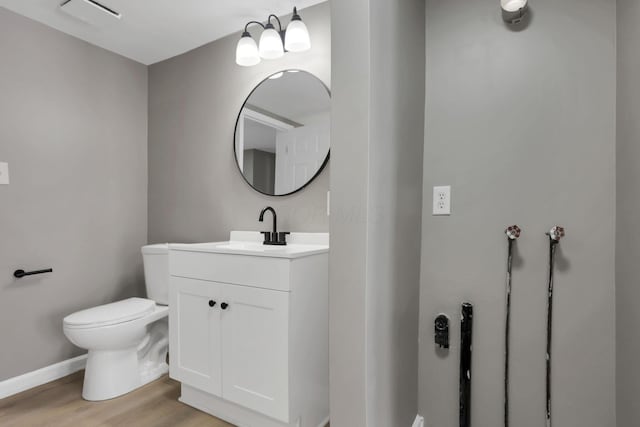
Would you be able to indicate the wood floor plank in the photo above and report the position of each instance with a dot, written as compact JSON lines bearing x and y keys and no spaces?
{"x":60,"y":404}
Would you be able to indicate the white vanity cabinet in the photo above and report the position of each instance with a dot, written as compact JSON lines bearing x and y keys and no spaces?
{"x":249,"y":332}
{"x":195,"y":334}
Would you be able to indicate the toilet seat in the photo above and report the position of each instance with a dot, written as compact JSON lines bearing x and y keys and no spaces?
{"x":110,"y":314}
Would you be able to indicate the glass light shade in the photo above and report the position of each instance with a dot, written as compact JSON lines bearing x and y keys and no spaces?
{"x":271,"y":44}
{"x":247,"y":51}
{"x":296,"y":38}
{"x":513,"y":5}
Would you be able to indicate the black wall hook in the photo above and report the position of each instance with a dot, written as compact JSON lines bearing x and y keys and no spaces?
{"x":21,"y":273}
{"x":441,"y":325}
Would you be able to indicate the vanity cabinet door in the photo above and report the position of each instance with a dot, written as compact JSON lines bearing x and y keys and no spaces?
{"x":194,"y":331}
{"x":255,"y":351}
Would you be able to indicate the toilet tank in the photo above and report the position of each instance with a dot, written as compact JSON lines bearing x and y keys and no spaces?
{"x":156,"y":272}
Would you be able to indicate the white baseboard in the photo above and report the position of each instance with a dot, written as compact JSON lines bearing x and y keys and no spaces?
{"x":41,"y":376}
{"x":418,"y":422}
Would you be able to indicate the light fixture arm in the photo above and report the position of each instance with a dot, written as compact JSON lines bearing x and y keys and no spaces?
{"x":277,"y":19}
{"x":253,"y":22}
{"x":295,"y":16}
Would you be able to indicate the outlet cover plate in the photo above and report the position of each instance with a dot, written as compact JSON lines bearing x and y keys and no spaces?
{"x":4,"y":173}
{"x":442,"y":200}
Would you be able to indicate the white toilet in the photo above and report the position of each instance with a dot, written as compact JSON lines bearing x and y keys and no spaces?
{"x":127,"y":340}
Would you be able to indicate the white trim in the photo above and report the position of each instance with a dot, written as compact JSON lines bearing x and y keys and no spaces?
{"x":418,"y":422}
{"x":41,"y":376}
{"x":262,"y":118}
{"x":232,"y":412}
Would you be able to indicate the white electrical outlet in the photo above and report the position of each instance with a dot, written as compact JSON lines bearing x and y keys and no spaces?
{"x":442,"y":200}
{"x":4,"y":173}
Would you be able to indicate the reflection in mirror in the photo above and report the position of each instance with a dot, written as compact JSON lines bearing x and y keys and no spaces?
{"x":282,"y":133}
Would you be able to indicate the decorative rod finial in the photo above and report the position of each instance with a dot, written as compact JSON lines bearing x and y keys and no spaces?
{"x":513,"y":232}
{"x":556,"y":233}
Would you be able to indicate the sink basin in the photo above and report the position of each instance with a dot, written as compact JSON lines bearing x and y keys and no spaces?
{"x":250,"y":243}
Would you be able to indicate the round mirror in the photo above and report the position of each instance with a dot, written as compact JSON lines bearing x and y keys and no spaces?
{"x":282,"y":133}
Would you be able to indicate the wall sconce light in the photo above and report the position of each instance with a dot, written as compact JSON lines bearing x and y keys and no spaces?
{"x":513,"y":11}
{"x":273,"y":43}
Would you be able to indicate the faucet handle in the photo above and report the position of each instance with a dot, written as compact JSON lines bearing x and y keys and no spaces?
{"x":267,"y":237}
{"x":281,"y":238}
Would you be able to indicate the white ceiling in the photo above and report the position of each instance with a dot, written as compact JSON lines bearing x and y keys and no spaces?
{"x":293,"y":96}
{"x":153,"y":30}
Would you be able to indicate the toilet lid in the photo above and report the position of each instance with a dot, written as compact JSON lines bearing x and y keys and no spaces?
{"x":111,"y":314}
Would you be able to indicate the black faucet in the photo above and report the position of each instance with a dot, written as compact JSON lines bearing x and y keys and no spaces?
{"x":273,"y":238}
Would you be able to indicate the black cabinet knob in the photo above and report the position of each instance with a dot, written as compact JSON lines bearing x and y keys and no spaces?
{"x":224,"y":305}
{"x":212,"y":303}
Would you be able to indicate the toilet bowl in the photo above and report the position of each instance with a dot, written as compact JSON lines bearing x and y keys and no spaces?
{"x":127,"y":341}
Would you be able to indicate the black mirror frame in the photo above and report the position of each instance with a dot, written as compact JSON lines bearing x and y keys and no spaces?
{"x":235,"y":134}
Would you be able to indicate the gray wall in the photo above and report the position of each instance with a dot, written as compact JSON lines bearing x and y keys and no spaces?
{"x":628,"y":212}
{"x":395,"y":206}
{"x":522,"y":125}
{"x":196,"y":192}
{"x":377,"y":139}
{"x":350,"y":147}
{"x":73,"y":127}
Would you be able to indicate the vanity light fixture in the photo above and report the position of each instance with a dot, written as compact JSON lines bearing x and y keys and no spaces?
{"x":247,"y":51}
{"x":270,"y":46}
{"x":297,"y":36}
{"x":273,"y":42}
{"x":513,"y":11}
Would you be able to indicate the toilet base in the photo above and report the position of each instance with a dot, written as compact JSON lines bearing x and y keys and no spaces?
{"x":122,"y":375}
{"x":112,"y":373}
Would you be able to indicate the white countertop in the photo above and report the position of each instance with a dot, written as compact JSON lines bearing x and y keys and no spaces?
{"x":250,"y":243}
